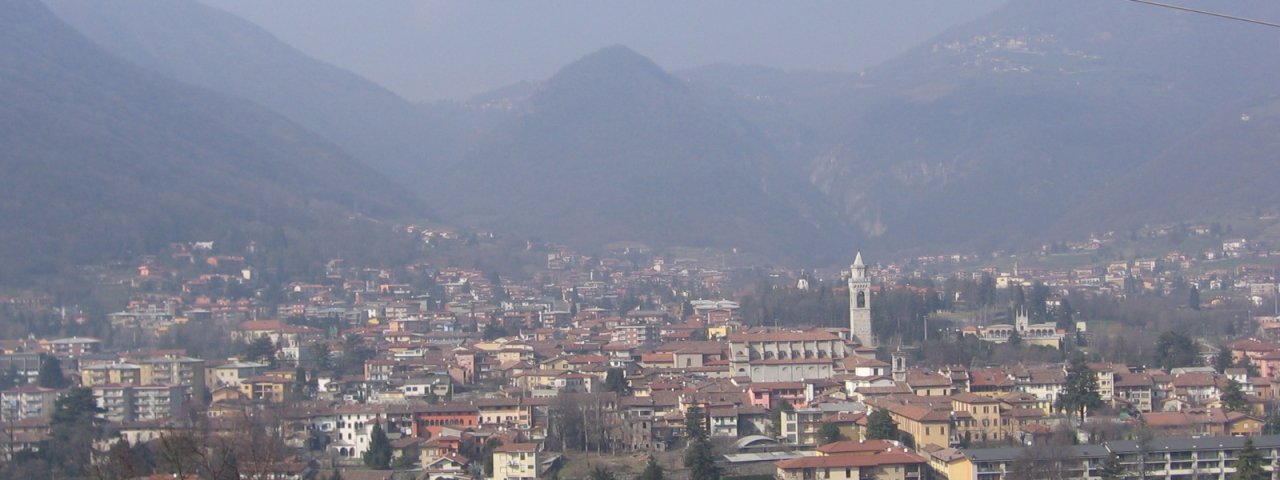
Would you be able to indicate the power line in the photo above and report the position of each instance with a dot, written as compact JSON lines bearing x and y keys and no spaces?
{"x":1206,"y":12}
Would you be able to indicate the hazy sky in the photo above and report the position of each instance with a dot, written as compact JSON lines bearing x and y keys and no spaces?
{"x":429,"y":50}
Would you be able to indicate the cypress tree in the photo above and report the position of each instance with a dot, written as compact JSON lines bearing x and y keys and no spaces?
{"x":378,"y":456}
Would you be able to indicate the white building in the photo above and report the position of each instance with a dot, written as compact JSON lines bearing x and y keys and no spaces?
{"x":860,"y":303}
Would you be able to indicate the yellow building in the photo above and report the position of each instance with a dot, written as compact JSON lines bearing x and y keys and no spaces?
{"x":111,"y":374}
{"x":516,"y":461}
{"x":925,"y":425}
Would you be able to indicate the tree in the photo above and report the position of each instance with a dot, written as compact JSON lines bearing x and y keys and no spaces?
{"x":50,"y":374}
{"x":1080,"y":392}
{"x":378,"y":456}
{"x":1272,"y":425}
{"x":1015,"y":339}
{"x":1112,"y":469}
{"x":695,"y":423}
{"x":322,"y":357}
{"x":700,"y":461}
{"x":74,"y":427}
{"x":1175,"y":350}
{"x":615,"y":381}
{"x":76,"y":406}
{"x":260,"y":349}
{"x":601,"y":473}
{"x":652,"y":471}
{"x":775,"y":414}
{"x":698,"y":457}
{"x":300,"y":380}
{"x":486,"y":455}
{"x":880,"y":426}
{"x":1193,"y":298}
{"x":495,"y":330}
{"x":1248,"y":366}
{"x":829,"y":433}
{"x":1249,"y":463}
{"x":10,"y":378}
{"x":1233,"y":399}
{"x":354,"y":354}
{"x":1222,"y":361}
{"x":698,"y":335}
{"x":403,"y":462}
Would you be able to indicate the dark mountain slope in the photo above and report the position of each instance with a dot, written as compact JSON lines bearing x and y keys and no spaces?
{"x":207,"y":47}
{"x":101,"y":157}
{"x":613,"y":148}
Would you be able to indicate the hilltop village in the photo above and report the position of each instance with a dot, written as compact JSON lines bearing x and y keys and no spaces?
{"x":622,"y":363}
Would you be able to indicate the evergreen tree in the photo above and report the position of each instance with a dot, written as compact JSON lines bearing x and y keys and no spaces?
{"x":76,"y":406}
{"x":74,"y":427}
{"x":1222,"y":361}
{"x":378,"y":456}
{"x":486,"y":455}
{"x":615,"y":381}
{"x":10,"y":378}
{"x":700,"y":461}
{"x":1272,"y":424}
{"x":1175,"y":350}
{"x":261,"y":350}
{"x":1248,"y":366}
{"x":300,"y":380}
{"x":698,"y":456}
{"x":1233,"y":399}
{"x":50,"y":374}
{"x":652,"y":471}
{"x":601,"y":473}
{"x":880,"y":426}
{"x":775,"y":415}
{"x":1080,"y":392}
{"x":1193,"y":298}
{"x":1015,"y":339}
{"x":1249,"y":463}
{"x":829,"y":433}
{"x":1112,"y":469}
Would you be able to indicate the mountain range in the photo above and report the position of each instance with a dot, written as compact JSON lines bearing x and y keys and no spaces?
{"x":102,"y":157}
{"x":1041,"y":120}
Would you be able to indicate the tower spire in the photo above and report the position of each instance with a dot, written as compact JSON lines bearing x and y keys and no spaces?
{"x":860,"y":303}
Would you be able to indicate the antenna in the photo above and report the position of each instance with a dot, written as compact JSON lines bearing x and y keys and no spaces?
{"x":1206,"y":12}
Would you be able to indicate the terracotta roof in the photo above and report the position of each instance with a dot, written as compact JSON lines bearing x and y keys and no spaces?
{"x":783,"y":336}
{"x":849,"y":446}
{"x":842,"y":461}
{"x":518,"y":448}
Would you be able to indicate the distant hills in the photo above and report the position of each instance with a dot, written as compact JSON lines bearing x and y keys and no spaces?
{"x":207,"y":47}
{"x":1015,"y":127}
{"x":612,"y":148}
{"x":101,"y":157}
{"x":1043,"y":119}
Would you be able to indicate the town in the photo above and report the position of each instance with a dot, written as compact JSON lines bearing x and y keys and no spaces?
{"x":652,"y":365}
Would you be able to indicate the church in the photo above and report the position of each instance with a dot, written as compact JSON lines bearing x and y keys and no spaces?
{"x":1043,"y":334}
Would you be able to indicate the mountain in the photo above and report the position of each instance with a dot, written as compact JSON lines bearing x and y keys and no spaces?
{"x":102,"y":157}
{"x":1228,"y":165}
{"x":613,"y":148}
{"x":1010,"y":128}
{"x":207,"y":47}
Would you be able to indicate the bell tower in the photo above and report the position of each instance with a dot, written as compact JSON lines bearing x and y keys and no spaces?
{"x":860,"y":303}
